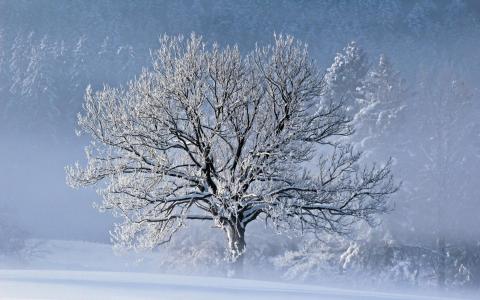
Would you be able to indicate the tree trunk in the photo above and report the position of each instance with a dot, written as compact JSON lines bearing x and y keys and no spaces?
{"x":236,"y":248}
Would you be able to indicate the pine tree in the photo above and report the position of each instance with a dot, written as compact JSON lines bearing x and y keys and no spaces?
{"x":345,"y":77}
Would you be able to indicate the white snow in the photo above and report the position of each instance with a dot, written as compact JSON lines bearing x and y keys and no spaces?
{"x":75,"y":277}
{"x":50,"y":284}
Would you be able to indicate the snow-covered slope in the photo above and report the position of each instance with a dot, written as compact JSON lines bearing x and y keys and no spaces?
{"x":79,"y":255}
{"x":48,"y":284}
{"x":84,"y":270}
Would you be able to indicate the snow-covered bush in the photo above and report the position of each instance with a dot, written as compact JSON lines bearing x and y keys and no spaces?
{"x":373,"y":259}
{"x":198,"y":251}
{"x":463,"y":264}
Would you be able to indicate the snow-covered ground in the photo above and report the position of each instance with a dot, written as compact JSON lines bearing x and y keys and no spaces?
{"x":73,"y":277}
{"x":49,"y":284}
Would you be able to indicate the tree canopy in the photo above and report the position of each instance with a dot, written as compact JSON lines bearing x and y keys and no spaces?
{"x":210,"y":134}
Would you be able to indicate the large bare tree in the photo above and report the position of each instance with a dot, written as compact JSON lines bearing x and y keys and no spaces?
{"x":209,"y":134}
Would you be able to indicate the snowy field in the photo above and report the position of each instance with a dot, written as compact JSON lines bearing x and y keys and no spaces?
{"x":48,"y":284}
{"x":90,"y":271}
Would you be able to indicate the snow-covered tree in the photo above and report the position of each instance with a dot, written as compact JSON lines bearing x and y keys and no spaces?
{"x":444,"y":157}
{"x":211,"y":135}
{"x":384,"y":96}
{"x":379,"y":95}
{"x":447,"y":152}
{"x":12,"y":237}
{"x":345,"y":77}
{"x":374,"y":96}
{"x":79,"y":70}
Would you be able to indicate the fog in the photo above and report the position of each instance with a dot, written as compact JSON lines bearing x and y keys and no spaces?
{"x":51,"y":50}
